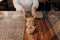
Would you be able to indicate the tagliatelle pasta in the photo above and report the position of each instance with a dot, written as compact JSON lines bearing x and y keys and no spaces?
{"x":30,"y":25}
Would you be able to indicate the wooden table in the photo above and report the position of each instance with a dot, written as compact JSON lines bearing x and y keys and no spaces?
{"x":44,"y":31}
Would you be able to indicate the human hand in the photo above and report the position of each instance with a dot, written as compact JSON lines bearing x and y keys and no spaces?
{"x":34,"y":15}
{"x":23,"y":11}
{"x":33,"y":11}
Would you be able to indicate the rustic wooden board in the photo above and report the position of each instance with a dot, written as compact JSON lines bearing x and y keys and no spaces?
{"x":43,"y":31}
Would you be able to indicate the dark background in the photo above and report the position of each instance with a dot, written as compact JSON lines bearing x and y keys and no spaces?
{"x":7,"y":5}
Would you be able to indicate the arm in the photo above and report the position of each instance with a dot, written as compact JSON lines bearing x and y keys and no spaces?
{"x":34,"y":7}
{"x":18,"y":6}
{"x":33,"y":10}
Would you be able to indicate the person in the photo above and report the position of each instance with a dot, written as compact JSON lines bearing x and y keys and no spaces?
{"x":26,"y":5}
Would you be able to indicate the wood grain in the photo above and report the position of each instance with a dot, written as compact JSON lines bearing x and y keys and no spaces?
{"x":43,"y":31}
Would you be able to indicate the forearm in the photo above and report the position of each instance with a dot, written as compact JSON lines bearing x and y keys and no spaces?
{"x":33,"y":10}
{"x":23,"y":11}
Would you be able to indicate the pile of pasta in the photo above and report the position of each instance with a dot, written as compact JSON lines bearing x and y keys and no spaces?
{"x":30,"y":28}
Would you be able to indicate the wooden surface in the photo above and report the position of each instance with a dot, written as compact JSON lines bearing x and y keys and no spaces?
{"x":43,"y":31}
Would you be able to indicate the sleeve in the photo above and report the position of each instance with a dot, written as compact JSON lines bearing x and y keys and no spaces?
{"x":35,"y":3}
{"x":17,"y":5}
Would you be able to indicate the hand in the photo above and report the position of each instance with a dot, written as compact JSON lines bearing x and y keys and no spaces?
{"x":34,"y":15}
{"x":33,"y":12}
{"x":23,"y":11}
